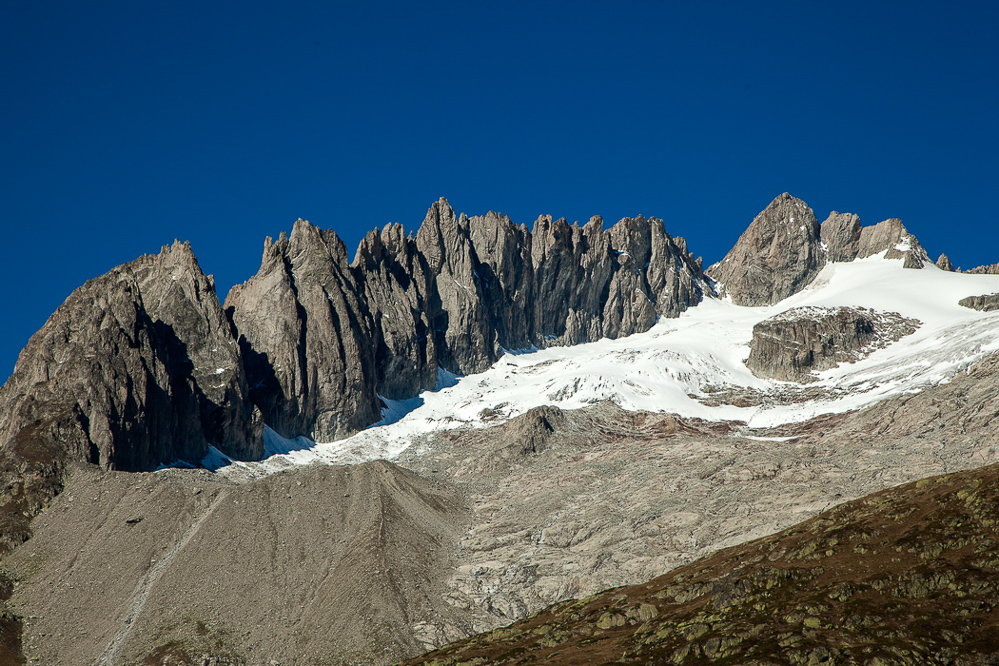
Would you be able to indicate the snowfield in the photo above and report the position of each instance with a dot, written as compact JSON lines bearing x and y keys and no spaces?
{"x":678,"y":364}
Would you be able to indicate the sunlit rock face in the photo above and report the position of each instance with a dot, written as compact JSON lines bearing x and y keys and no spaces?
{"x":778,"y":255}
{"x":323,"y":339}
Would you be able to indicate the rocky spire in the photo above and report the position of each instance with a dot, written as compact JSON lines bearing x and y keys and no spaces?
{"x":777,"y":256}
{"x":307,"y":337}
{"x":840,"y":234}
{"x":393,"y":279}
{"x":454,"y":297}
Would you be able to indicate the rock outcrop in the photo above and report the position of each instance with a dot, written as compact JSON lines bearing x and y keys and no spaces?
{"x":394,"y":280}
{"x":323,"y":339}
{"x":944,"y":264}
{"x":137,"y":368}
{"x":785,"y":248}
{"x":466,"y":337}
{"x":892,"y":238}
{"x":840,"y":232}
{"x":307,"y":337}
{"x":986,"y":303}
{"x":796,"y":343}
{"x":777,"y":256}
{"x":989,"y":269}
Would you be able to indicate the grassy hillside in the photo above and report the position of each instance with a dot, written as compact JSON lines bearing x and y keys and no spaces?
{"x":909,"y":575}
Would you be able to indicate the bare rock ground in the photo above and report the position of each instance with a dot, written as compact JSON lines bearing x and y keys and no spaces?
{"x":313,"y":565}
{"x":619,"y":497}
{"x":376,"y":562}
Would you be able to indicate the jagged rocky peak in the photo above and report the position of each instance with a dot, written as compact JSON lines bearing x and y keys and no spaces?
{"x":944,"y":264}
{"x":465,"y":338}
{"x":845,"y":240}
{"x":309,"y":343}
{"x":892,"y":238}
{"x":784,"y":248}
{"x":137,"y":368}
{"x":306,"y":334}
{"x":323,"y":339}
{"x":778,"y":255}
{"x":393,"y":280}
{"x":989,"y":269}
{"x":505,"y":274}
{"x":840,"y":233}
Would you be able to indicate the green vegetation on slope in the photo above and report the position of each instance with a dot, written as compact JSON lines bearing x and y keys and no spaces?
{"x":909,"y":575}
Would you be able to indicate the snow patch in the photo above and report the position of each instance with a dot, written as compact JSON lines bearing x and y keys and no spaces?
{"x":680,"y":365}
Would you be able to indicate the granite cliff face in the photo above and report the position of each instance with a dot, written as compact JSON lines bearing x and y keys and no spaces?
{"x":785,"y":248}
{"x":138,"y":367}
{"x":307,"y":337}
{"x":778,"y":255}
{"x":323,"y":338}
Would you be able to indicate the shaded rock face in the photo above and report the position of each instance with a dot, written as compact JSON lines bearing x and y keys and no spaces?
{"x":307,"y":337}
{"x":840,"y":233}
{"x":944,"y":263}
{"x":323,"y":339}
{"x":986,"y":303}
{"x":777,"y":256}
{"x":466,"y":339}
{"x":792,"y":345}
{"x":138,"y":367}
{"x":393,"y":280}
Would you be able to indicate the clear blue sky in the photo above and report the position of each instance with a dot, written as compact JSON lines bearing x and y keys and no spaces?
{"x":128,"y":124}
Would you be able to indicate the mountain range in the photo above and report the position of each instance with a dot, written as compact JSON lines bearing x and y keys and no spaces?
{"x":359,"y":461}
